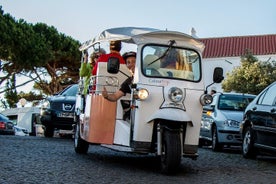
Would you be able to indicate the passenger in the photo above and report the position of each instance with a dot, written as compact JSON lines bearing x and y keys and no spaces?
{"x":115,"y":48}
{"x":96,"y":55}
{"x":113,"y":97}
{"x":124,"y":89}
{"x":130,"y":59}
{"x":87,"y":67}
{"x":170,"y":60}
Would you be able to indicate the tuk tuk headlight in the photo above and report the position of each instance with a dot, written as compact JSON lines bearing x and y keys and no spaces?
{"x":175,"y":94}
{"x":206,"y":99}
{"x":141,"y":94}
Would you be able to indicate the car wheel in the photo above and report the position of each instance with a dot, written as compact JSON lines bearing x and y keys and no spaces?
{"x":248,"y":150}
{"x":216,"y":146}
{"x":48,"y":132}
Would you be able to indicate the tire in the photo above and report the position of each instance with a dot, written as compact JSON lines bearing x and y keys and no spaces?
{"x":48,"y":131}
{"x":248,"y":150}
{"x":81,"y":146}
{"x":171,"y":152}
{"x":216,"y":146}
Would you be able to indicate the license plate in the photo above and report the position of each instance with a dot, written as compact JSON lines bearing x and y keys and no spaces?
{"x":66,"y":115}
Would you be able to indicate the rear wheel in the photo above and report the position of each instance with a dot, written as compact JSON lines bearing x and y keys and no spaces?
{"x":81,"y":146}
{"x":48,"y":131}
{"x":171,"y":152}
{"x":248,"y":150}
{"x":216,"y":146}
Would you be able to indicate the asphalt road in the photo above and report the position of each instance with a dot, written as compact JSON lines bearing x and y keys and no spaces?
{"x":53,"y":160}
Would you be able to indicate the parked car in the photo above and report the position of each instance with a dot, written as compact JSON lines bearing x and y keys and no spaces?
{"x":258,"y":127}
{"x":57,"y":112}
{"x":20,"y":131}
{"x":221,"y":120}
{"x":6,"y":125}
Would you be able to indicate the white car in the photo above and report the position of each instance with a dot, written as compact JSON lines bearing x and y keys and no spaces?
{"x":20,"y":131}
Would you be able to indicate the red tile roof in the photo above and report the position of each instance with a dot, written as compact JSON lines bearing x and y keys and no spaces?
{"x":236,"y":46}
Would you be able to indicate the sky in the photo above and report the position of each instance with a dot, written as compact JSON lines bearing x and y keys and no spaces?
{"x":84,"y":19}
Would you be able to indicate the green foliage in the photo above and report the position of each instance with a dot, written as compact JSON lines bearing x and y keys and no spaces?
{"x":63,"y":63}
{"x":251,"y":77}
{"x":31,"y":97}
{"x":49,"y":58}
{"x":21,"y":45}
{"x":11,"y":94}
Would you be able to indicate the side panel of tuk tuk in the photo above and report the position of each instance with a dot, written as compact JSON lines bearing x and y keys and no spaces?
{"x":99,"y":122}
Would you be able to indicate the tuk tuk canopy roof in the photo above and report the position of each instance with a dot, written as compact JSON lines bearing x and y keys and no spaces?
{"x":139,"y":35}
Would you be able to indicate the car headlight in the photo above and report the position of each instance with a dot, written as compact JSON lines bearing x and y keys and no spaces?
{"x":206,"y":99}
{"x":232,"y":123}
{"x":141,"y":94}
{"x":45,"y":105}
{"x":175,"y":94}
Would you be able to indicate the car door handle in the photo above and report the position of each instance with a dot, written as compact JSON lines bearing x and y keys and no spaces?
{"x":254,"y":108}
{"x":273,"y":110}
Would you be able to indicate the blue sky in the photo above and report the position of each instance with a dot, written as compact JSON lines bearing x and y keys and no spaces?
{"x":84,"y":19}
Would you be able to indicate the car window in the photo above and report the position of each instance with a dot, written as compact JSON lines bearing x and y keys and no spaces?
{"x":234,"y":102}
{"x":71,"y":91}
{"x":268,"y":97}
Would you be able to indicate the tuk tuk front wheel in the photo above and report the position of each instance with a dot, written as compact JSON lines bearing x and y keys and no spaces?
{"x":171,"y":152}
{"x":81,"y":146}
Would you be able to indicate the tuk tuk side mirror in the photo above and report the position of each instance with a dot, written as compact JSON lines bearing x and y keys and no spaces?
{"x":113,"y":65}
{"x":218,"y":75}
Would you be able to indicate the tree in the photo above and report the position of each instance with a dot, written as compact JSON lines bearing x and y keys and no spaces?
{"x":31,"y":97}
{"x":251,"y":77}
{"x":11,"y":94}
{"x":63,"y":63}
{"x":48,"y":58}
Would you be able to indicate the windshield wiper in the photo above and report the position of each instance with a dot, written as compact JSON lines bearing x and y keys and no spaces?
{"x":172,"y":42}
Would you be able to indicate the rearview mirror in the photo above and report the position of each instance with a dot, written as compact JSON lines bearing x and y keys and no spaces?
{"x":113,"y":65}
{"x":218,"y":75}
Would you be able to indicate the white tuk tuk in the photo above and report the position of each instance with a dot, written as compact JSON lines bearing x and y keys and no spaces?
{"x":167,"y":95}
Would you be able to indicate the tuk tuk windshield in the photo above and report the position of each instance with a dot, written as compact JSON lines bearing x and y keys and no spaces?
{"x":171,"y":62}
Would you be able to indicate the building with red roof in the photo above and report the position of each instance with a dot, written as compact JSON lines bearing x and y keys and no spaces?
{"x":226,"y":52}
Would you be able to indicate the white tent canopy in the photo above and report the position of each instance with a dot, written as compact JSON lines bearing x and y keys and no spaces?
{"x":144,"y":35}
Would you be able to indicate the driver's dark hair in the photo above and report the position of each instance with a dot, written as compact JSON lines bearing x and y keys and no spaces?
{"x":115,"y":45}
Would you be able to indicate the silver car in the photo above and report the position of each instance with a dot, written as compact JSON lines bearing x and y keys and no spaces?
{"x":221,"y":120}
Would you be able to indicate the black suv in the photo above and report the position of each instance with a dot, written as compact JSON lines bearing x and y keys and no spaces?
{"x":259,"y":125}
{"x":57,"y":112}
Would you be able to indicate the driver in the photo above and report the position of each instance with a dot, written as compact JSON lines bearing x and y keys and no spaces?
{"x":130,"y":59}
